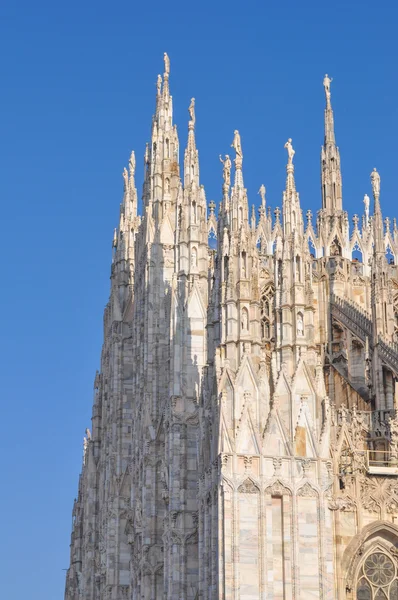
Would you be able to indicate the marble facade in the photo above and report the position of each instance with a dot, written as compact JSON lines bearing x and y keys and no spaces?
{"x":244,"y":438}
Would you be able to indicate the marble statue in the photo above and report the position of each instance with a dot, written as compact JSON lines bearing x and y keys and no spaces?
{"x":227,"y":169}
{"x":236,"y":144}
{"x":375,"y":179}
{"x":290,"y":151}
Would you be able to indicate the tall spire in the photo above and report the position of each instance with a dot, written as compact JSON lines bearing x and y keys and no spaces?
{"x":292,"y":218}
{"x":191,"y":157}
{"x":239,"y":204}
{"x":330,"y":160}
{"x":236,"y":145}
{"x":162,"y":171}
{"x":378,"y":230}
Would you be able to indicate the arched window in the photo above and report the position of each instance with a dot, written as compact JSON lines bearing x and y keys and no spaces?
{"x":194,"y":212}
{"x":298,"y":269}
{"x":243,"y":265}
{"x":266,"y":307}
{"x":377,"y":578}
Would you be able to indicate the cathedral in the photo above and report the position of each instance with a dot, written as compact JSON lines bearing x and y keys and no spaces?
{"x":244,"y":437}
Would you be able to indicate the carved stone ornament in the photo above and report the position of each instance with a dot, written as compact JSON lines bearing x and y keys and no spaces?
{"x":344,"y":503}
{"x":248,"y":487}
{"x":307,"y":490}
{"x":278,"y":489}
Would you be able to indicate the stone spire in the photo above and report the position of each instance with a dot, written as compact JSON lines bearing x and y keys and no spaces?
{"x":379,"y":266}
{"x":378,"y":230}
{"x":163,"y":171}
{"x":191,"y":156}
{"x":123,"y":239}
{"x":330,"y":160}
{"x":236,"y":145}
{"x":239,"y":204}
{"x":292,"y":218}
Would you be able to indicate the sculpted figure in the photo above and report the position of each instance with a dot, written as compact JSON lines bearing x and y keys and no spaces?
{"x":227,"y":169}
{"x":166,"y":63}
{"x":132,"y":163}
{"x":244,"y":321}
{"x":375,"y":179}
{"x":300,"y":325}
{"x":194,"y":258}
{"x":88,"y":433}
{"x":290,"y":151}
{"x":236,"y":145}
{"x":326,"y":84}
{"x":262,"y":192}
{"x":159,"y":84}
{"x":85,"y":446}
{"x":191,"y":110}
{"x":366,"y":201}
{"x":125,"y":177}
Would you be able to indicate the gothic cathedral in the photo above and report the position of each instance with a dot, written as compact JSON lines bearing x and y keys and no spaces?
{"x":244,"y":440}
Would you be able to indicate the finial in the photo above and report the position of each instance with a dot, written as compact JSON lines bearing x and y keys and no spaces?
{"x":212,"y":207}
{"x":309,"y":217}
{"x":114,"y":242}
{"x":355,"y":220}
{"x":166,"y":64}
{"x":326,"y":84}
{"x":159,"y":84}
{"x":290,"y":151}
{"x":277,"y":213}
{"x":262,"y":192}
{"x":132,"y":164}
{"x":375,"y":179}
{"x":191,"y":111}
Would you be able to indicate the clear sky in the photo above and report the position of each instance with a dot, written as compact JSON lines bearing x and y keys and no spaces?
{"x":77,"y":95}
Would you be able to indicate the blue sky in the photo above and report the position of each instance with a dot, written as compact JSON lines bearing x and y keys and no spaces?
{"x":77,"y":95}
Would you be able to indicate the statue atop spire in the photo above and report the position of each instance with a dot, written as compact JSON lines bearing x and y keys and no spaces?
{"x":262,"y":191}
{"x":236,"y":145}
{"x":375,"y":179}
{"x":326,"y":84}
{"x":132,"y":164}
{"x":125,"y":178}
{"x":238,"y":160}
{"x":331,"y":185}
{"x":290,"y":151}
{"x":191,"y":111}
{"x":366,"y":201}
{"x":226,"y":172}
{"x":166,"y":64}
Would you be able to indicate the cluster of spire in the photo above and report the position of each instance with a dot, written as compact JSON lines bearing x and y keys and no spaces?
{"x":163,"y":186}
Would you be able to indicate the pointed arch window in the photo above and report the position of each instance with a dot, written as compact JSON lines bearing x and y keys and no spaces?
{"x":298,"y":269}
{"x":377,"y":578}
{"x":194,"y":213}
{"x":244,"y":265}
{"x":266,"y":307}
